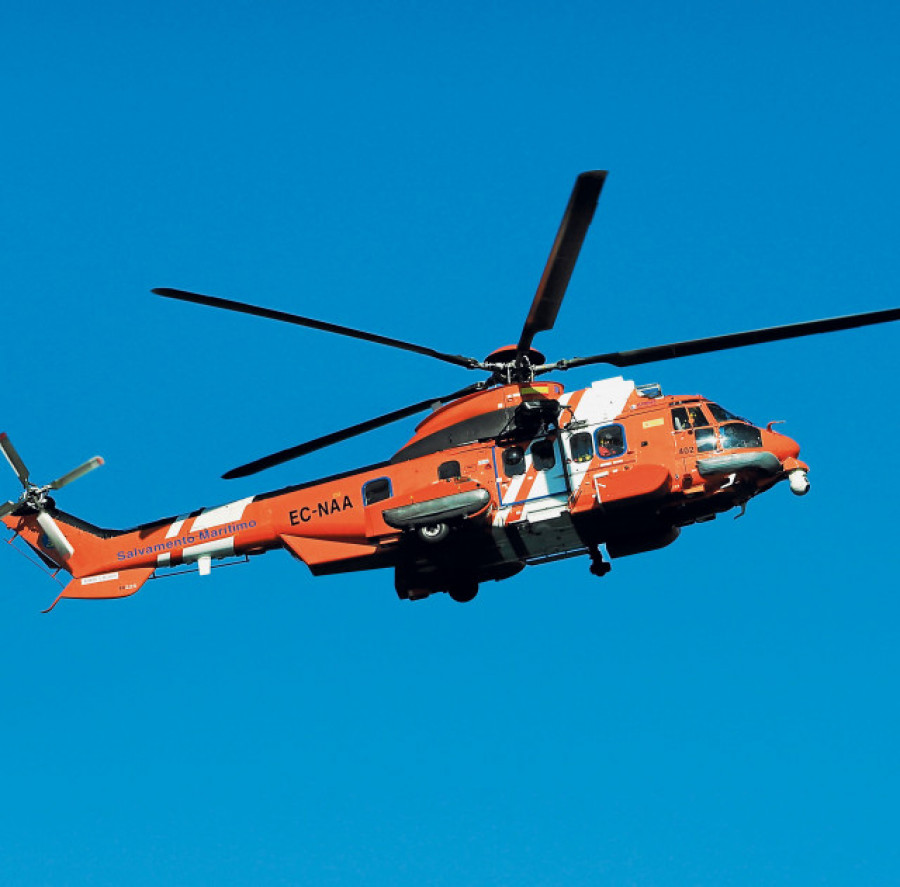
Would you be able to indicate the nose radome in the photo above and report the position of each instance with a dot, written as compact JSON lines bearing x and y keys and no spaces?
{"x":781,"y":445}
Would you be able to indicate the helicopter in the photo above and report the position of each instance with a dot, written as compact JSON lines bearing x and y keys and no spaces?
{"x":508,"y":472}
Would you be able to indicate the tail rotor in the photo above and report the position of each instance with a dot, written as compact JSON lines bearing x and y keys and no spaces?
{"x":36,"y":499}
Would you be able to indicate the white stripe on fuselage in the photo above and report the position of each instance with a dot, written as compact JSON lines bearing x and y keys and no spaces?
{"x":603,"y":402}
{"x":175,"y":529}
{"x":223,"y":514}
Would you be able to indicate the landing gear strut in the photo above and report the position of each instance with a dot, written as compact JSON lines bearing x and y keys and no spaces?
{"x":599,"y":567}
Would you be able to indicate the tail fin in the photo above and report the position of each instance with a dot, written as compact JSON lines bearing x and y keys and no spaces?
{"x":62,"y":541}
{"x":81,"y":543}
{"x":95,"y":574}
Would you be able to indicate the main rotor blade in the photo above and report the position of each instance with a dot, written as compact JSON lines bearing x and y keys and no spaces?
{"x":722,"y":343}
{"x":14,"y":459}
{"x":344,"y":434}
{"x":563,"y":256}
{"x":75,"y":473}
{"x":298,"y":320}
{"x":8,"y":508}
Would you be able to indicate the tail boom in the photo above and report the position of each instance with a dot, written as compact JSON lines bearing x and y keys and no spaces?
{"x":112,"y":564}
{"x":321,"y":523}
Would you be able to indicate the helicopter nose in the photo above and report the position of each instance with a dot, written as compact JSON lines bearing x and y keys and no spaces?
{"x":781,"y":445}
{"x":787,"y":451}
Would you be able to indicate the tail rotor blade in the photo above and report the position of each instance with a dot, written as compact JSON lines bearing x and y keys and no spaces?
{"x":55,"y":535}
{"x":14,"y":459}
{"x":76,"y":473}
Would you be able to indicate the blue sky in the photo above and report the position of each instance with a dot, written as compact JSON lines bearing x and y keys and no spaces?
{"x":722,"y":712}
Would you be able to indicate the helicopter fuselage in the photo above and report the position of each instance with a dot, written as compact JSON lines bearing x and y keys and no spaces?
{"x":501,"y":479}
{"x":507,"y":472}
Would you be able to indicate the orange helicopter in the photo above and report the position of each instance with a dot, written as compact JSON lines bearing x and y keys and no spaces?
{"x":508,"y":472}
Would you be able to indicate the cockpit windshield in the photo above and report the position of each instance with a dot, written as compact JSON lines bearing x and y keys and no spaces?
{"x":732,"y":433}
{"x":720,"y":414}
{"x":739,"y":436}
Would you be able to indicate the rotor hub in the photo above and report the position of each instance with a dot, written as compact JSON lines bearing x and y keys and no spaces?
{"x":508,"y":353}
{"x":511,"y":365}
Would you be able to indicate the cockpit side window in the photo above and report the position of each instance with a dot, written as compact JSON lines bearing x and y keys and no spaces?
{"x":698,"y":417}
{"x":684,"y":418}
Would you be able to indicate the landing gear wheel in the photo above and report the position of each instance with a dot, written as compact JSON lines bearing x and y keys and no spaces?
{"x":433,"y":533}
{"x":463,"y":591}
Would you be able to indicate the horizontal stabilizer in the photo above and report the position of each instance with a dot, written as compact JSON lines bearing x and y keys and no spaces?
{"x":104,"y":586}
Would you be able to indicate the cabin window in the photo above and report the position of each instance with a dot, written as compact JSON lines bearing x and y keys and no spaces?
{"x":377,"y":490}
{"x":513,"y":461}
{"x":737,"y":436}
{"x":448,"y":470}
{"x":542,"y":455}
{"x":581,"y":446}
{"x":610,"y":441}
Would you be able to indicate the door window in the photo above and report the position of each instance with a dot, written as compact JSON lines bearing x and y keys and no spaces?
{"x":543,"y":456}
{"x":581,"y":447}
{"x":513,"y":461}
{"x":706,"y":439}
